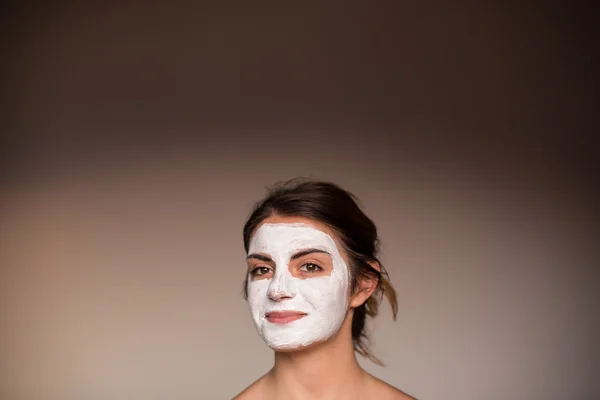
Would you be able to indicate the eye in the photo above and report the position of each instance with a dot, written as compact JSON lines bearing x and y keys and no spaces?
{"x":310,"y":267}
{"x":259,"y":271}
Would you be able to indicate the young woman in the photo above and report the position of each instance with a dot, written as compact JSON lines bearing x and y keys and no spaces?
{"x":313,"y":277}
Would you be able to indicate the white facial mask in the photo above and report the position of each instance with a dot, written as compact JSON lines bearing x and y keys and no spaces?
{"x":324,"y":298}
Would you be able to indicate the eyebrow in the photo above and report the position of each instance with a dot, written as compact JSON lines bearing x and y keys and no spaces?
{"x":259,"y":257}
{"x":294,"y":257}
{"x":306,"y":252}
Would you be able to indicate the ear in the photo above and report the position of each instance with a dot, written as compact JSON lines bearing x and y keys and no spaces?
{"x":366,"y":287}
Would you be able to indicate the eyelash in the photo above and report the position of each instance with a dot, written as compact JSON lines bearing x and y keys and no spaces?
{"x":310,"y":272}
{"x":255,"y":271}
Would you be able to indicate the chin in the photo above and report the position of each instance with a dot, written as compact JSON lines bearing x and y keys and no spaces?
{"x":293,"y":346}
{"x":287,"y":348}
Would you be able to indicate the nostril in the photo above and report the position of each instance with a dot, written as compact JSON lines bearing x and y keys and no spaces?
{"x":280,"y":289}
{"x":278,"y":295}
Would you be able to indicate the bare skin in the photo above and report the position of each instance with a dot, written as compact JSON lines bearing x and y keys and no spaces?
{"x":327,"y":370}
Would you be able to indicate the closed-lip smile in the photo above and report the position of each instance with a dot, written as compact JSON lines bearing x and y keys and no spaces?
{"x":284,"y":317}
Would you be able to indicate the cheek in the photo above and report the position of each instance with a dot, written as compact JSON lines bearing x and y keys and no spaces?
{"x":257,"y":293}
{"x":324,"y":292}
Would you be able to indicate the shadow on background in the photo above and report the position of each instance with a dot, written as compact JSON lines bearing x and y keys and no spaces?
{"x":138,"y":137}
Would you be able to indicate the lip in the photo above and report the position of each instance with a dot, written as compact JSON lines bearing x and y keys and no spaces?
{"x":284,"y":317}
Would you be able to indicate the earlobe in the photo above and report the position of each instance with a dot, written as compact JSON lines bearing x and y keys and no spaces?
{"x":366,"y":287}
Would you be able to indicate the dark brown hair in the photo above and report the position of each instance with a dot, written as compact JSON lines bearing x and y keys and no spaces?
{"x":336,"y":208}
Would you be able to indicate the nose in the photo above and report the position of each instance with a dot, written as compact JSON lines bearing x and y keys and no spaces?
{"x":280,"y":289}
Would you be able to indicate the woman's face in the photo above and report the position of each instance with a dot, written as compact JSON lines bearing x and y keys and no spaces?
{"x":298,"y":282}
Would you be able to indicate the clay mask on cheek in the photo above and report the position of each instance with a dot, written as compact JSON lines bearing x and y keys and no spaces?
{"x":323,"y":298}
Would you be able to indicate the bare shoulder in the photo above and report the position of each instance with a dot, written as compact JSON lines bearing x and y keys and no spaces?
{"x":255,"y":391}
{"x":385,"y":391}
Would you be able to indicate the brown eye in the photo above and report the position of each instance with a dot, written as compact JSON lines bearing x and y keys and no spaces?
{"x":310,"y":267}
{"x":258,"y":271}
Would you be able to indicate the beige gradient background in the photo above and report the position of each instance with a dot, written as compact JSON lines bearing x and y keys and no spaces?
{"x":137,"y":140}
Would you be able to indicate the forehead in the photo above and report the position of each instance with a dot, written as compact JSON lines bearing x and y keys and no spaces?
{"x":290,"y":235}
{"x":293,"y":231}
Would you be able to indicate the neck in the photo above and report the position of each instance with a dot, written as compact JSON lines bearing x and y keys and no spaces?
{"x":324,"y":370}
